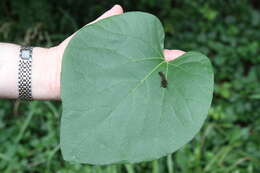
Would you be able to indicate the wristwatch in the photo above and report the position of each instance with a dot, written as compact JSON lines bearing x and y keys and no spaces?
{"x":25,"y":73}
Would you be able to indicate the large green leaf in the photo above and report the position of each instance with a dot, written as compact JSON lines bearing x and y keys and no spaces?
{"x":114,"y":106}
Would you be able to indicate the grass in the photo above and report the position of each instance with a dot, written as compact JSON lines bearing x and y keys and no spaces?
{"x":29,"y":139}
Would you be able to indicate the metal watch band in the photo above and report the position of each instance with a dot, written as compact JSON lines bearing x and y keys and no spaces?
{"x":25,"y":73}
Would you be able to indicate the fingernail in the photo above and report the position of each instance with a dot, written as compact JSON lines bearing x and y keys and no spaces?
{"x":114,"y":6}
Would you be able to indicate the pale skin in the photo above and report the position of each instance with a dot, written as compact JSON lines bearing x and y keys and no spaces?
{"x":46,"y":66}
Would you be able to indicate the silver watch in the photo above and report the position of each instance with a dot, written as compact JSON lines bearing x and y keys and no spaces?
{"x":25,"y":73}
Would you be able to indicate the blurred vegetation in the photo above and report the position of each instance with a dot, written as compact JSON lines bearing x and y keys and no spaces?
{"x":227,"y":31}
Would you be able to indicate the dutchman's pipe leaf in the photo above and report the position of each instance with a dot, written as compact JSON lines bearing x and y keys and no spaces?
{"x":116,"y":106}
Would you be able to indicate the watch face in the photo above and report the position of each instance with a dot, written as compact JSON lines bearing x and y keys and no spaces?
{"x":25,"y":54}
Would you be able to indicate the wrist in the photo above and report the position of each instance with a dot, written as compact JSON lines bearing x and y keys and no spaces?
{"x":46,"y":68}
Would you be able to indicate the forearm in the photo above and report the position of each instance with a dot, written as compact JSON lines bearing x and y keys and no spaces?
{"x":46,"y":66}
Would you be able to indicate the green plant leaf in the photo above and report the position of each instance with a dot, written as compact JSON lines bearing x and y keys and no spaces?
{"x":114,"y":106}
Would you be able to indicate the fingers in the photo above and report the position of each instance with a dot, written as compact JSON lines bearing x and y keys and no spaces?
{"x":170,"y":55}
{"x":115,"y":10}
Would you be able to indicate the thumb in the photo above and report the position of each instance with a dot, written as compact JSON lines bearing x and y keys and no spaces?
{"x":170,"y":55}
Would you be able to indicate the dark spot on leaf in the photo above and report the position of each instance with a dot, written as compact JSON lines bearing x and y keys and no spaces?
{"x":164,"y":82}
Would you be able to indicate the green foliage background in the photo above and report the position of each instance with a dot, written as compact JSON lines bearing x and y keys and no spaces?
{"x":227,"y":31}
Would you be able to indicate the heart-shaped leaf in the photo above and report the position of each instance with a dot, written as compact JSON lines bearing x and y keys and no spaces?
{"x":121,"y":101}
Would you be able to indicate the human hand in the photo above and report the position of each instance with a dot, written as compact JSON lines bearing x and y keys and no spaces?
{"x":115,"y":10}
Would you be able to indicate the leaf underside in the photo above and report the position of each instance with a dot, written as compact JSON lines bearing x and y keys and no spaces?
{"x":114,"y":107}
